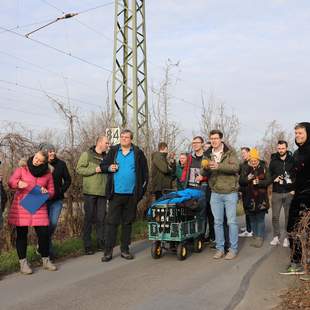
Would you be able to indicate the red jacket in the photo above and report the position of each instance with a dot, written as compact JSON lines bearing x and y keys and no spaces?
{"x":18,"y":215}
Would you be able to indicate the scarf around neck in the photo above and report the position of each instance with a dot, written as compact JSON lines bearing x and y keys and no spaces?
{"x":37,"y":171}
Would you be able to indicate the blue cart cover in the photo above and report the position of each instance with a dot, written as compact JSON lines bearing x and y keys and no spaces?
{"x":177,"y":197}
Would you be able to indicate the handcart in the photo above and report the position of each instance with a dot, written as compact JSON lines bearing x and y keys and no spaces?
{"x":176,"y":225}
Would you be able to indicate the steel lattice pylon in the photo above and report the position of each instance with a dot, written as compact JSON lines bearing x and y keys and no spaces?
{"x":129,"y":84}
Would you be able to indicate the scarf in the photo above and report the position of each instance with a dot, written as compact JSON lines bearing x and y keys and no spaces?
{"x":37,"y":171}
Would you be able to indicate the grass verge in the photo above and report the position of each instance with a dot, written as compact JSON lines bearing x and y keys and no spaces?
{"x":67,"y":248}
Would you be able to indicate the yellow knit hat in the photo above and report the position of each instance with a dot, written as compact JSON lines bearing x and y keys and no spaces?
{"x":254,"y":154}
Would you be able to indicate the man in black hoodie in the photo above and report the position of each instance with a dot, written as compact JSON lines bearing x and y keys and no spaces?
{"x":62,"y":181}
{"x":282,"y":173}
{"x":301,"y":199}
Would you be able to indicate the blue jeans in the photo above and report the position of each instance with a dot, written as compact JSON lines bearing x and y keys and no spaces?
{"x":219,"y":203}
{"x":54,"y":208}
{"x":258,"y":223}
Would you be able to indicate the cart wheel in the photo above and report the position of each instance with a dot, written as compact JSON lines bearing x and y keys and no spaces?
{"x":182,"y":251}
{"x":156,"y":250}
{"x":198,"y":245}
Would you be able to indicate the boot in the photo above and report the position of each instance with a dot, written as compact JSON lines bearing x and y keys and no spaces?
{"x":24,"y":267}
{"x":48,"y":265}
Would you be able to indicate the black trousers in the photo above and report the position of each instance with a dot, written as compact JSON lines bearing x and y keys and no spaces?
{"x":121,"y":210}
{"x":94,"y":213}
{"x":247,"y":217}
{"x":298,"y":206}
{"x":209,"y":216}
{"x":22,"y":240}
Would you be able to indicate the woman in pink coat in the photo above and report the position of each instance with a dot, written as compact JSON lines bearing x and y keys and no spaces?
{"x":35,"y":173}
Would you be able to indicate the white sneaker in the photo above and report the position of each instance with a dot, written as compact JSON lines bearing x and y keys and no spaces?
{"x":246,"y":234}
{"x":243,"y":229}
{"x":275,"y":241}
{"x":286,"y":243}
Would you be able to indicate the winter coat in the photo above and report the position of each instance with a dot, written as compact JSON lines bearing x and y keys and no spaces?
{"x":93,"y":183}
{"x":18,"y":215}
{"x":223,"y":180}
{"x":256,"y":195}
{"x":61,"y":177}
{"x":162,"y":172}
{"x":279,"y":167}
{"x":142,"y":174}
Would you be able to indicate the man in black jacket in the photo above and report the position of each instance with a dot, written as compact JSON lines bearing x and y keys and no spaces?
{"x":282,"y":173}
{"x":127,"y":170}
{"x":62,"y":181}
{"x":301,"y":200}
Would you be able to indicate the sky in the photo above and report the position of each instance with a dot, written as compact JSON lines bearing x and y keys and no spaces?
{"x":253,"y":55}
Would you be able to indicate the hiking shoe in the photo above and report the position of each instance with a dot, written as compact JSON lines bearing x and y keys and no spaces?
{"x":246,"y":234}
{"x":127,"y":255}
{"x":218,"y":255}
{"x":275,"y":241}
{"x":294,"y":269}
{"x":286,"y":243}
{"x":24,"y":267}
{"x":48,"y":265}
{"x":230,"y":255}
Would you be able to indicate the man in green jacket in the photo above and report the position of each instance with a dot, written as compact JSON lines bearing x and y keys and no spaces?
{"x":163,"y":169}
{"x":94,"y":187}
{"x":222,"y":168}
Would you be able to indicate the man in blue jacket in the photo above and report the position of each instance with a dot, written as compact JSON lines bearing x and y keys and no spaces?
{"x":127,"y":170}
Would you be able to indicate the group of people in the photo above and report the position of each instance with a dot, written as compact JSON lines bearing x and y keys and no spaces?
{"x":214,"y":168}
{"x":115,"y":179}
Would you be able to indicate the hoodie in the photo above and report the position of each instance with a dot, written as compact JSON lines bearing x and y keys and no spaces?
{"x":302,"y":164}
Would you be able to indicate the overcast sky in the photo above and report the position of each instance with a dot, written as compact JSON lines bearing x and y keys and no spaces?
{"x":254,"y":55}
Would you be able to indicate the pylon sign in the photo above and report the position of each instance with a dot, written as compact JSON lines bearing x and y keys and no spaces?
{"x":113,"y":134}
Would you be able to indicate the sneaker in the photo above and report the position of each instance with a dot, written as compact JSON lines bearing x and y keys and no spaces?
{"x":218,"y":255}
{"x":246,"y":234}
{"x":24,"y":267}
{"x":294,"y":269}
{"x":48,"y":265}
{"x":127,"y":255}
{"x":286,"y":243}
{"x":275,"y":241}
{"x":230,"y":255}
{"x":243,"y":229}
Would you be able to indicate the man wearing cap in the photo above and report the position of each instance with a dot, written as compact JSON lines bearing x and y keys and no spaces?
{"x":62,"y":181}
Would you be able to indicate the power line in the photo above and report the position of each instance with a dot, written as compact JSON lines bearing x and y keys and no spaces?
{"x":57,"y":50}
{"x":80,"y":22}
{"x":48,"y":92}
{"x":48,"y":70}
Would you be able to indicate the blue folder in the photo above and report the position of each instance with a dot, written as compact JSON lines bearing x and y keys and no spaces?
{"x":34,"y":200}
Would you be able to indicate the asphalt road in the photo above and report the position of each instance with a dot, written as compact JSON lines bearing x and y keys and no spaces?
{"x":199,"y":282}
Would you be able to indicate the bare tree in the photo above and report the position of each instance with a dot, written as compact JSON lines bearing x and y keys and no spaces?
{"x":273,"y":133}
{"x":215,"y":116}
{"x":161,"y":127}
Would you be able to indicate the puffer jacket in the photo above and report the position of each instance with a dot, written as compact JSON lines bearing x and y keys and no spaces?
{"x":18,"y":215}
{"x":223,"y":180}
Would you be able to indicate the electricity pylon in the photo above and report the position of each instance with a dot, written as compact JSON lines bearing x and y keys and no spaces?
{"x":129,"y":84}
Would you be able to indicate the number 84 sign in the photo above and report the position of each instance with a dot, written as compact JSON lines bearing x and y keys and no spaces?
{"x":113,"y":134}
